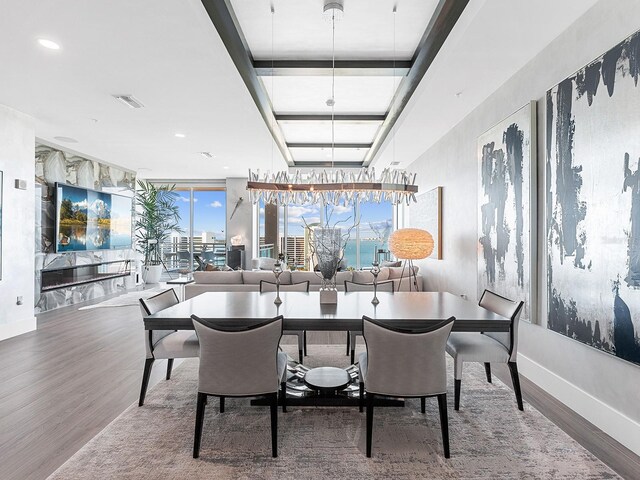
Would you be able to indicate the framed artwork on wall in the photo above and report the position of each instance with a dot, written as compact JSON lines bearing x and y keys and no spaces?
{"x":426,"y":214}
{"x":592,"y":213}
{"x":507,"y":207}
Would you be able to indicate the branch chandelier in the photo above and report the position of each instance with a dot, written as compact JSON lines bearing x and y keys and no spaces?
{"x":335,"y":186}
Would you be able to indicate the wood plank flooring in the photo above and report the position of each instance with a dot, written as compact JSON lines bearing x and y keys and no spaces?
{"x":62,"y":384}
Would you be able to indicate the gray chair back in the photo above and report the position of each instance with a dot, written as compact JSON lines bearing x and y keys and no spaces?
{"x":407,"y":363}
{"x":507,"y":308}
{"x":238,"y":362}
{"x":384,"y":286}
{"x":284,"y":287}
{"x":152,"y":305}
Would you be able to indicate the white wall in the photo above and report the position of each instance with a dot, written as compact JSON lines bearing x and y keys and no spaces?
{"x":17,"y":149}
{"x":598,"y":386}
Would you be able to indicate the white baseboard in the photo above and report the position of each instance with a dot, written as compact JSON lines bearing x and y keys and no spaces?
{"x":9,"y":330}
{"x":614,"y":423}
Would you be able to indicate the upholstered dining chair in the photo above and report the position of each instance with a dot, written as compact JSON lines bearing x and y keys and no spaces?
{"x":227,"y":371}
{"x":488,"y":347}
{"x":164,"y":344}
{"x":266,"y":286}
{"x":404,"y":363}
{"x":349,"y":286}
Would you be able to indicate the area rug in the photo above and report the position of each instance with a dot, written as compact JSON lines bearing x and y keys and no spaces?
{"x":490,"y":438}
{"x":128,"y":299}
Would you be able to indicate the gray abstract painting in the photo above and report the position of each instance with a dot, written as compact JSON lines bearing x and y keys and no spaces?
{"x":593,"y":203}
{"x":505,"y":155}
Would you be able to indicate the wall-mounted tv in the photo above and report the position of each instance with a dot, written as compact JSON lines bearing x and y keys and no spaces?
{"x":91,"y":220}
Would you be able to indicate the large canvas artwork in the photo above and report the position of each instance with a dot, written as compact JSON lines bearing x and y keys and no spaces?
{"x":593,"y":203}
{"x":506,"y":209}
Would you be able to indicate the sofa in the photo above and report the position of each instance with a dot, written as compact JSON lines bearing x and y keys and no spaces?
{"x":249,"y":280}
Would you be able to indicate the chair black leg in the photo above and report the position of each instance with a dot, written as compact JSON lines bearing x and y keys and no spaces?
{"x":515,"y":379}
{"x":221,"y":404}
{"x":444,"y":423}
{"x":456,"y":394}
{"x":487,"y":369}
{"x":169,"y":368}
{"x":300,"y":356}
{"x":423,"y":405}
{"x":353,"y":357}
{"x":283,"y":396}
{"x":148,"y":363}
{"x":370,"y":397}
{"x":304,"y":336}
{"x":361,"y":399}
{"x":202,"y":400}
{"x":348,"y":342}
{"x":274,"y":425}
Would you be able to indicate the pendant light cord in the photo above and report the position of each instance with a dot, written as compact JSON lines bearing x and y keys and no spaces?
{"x":395,"y":8}
{"x":333,"y":86}
{"x":273,"y":11}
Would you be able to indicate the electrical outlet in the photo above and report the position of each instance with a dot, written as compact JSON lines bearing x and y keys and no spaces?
{"x":19,"y":300}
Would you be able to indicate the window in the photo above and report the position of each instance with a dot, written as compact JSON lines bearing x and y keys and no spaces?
{"x":203,"y":223}
{"x":283,"y":230}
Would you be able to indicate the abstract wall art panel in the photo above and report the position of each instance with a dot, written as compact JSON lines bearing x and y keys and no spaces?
{"x":592,"y":211}
{"x":506,"y":208}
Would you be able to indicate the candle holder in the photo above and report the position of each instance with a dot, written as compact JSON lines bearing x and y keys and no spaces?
{"x":277,"y":271}
{"x":375,"y":270}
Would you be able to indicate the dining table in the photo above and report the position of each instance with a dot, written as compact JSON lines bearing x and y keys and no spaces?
{"x":303,"y":311}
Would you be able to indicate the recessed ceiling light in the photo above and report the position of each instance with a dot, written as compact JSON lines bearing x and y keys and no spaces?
{"x":458,"y":94}
{"x":66,"y":139}
{"x":180,"y":135}
{"x":225,"y":167}
{"x":50,"y":44}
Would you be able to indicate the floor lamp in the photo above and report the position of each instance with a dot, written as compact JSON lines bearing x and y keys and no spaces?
{"x":409,"y":244}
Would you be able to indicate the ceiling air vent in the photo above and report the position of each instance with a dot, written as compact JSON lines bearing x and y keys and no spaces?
{"x":395,"y":163}
{"x":206,"y":154}
{"x":129,"y":101}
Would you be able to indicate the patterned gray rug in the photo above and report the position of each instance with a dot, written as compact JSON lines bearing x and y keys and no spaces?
{"x":490,"y":438}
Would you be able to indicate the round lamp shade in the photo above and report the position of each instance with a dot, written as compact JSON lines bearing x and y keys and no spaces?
{"x":411,"y":244}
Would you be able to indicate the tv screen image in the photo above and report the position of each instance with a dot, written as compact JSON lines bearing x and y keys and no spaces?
{"x":91,"y":220}
{"x":72,"y":218}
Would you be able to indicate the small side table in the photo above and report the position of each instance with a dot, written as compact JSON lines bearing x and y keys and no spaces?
{"x":182,"y":282}
{"x":327,"y":380}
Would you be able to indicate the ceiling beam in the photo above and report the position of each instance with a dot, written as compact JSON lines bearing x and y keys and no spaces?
{"x":329,"y":145}
{"x":442,"y":22}
{"x":224,"y":20}
{"x":378,"y":68}
{"x":324,"y":117}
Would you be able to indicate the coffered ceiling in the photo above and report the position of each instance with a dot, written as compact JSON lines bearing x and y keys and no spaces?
{"x":295,"y":58}
{"x":170,"y":55}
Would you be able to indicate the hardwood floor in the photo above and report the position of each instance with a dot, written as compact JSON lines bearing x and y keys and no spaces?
{"x":62,"y":384}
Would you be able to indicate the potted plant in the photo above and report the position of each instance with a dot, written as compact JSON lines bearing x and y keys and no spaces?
{"x":157,"y":215}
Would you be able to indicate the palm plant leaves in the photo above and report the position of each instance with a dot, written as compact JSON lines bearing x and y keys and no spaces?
{"x":157,"y":215}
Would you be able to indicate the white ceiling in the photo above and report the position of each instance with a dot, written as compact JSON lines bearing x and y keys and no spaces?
{"x":165,"y":52}
{"x":300,"y":30}
{"x":168,"y":54}
{"x":492,"y":40}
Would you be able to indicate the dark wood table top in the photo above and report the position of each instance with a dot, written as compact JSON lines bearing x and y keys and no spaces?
{"x":303,"y":311}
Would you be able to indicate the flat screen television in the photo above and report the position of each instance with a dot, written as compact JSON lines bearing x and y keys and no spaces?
{"x":91,"y":220}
